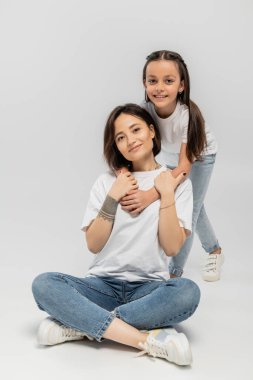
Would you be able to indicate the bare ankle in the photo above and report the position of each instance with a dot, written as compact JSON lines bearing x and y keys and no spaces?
{"x":217,"y":251}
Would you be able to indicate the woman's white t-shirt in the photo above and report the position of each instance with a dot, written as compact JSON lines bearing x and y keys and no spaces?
{"x":133,"y":252}
{"x":173,"y":131}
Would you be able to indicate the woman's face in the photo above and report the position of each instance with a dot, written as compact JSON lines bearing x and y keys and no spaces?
{"x":163,"y":84}
{"x":133,"y":137}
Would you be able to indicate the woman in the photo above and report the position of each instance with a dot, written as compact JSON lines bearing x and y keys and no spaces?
{"x":126,"y":295}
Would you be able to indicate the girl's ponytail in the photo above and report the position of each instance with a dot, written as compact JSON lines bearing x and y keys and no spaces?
{"x":196,"y":136}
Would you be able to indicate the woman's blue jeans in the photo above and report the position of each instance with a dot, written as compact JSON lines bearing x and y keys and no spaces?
{"x":200,"y":176}
{"x":90,"y":304}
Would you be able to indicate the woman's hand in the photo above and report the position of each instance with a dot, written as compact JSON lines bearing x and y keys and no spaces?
{"x":166,"y":183}
{"x":124,"y":183}
{"x":121,"y":170}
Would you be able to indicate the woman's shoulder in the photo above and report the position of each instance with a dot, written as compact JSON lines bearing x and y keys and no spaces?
{"x":184,"y":187}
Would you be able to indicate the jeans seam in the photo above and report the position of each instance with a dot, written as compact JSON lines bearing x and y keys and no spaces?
{"x":103,"y":328}
{"x":83,"y":283}
{"x":170,"y":322}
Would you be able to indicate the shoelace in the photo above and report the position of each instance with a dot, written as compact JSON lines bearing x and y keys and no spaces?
{"x":153,"y":348}
{"x":211,"y":263}
{"x":68,"y":332}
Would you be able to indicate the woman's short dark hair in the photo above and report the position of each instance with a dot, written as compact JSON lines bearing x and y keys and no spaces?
{"x":113,"y":157}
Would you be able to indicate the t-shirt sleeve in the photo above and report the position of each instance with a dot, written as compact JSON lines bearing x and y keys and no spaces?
{"x":184,"y":204}
{"x":184,"y":125}
{"x":97,"y":197}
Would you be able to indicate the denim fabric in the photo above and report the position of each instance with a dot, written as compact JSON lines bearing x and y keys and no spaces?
{"x":200,"y":176}
{"x":90,"y":304}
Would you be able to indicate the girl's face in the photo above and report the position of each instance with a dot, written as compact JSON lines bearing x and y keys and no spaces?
{"x":133,"y":137}
{"x":162,"y":85}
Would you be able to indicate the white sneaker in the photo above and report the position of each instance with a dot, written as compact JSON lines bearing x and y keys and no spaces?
{"x":212,"y":267}
{"x":53,"y":332}
{"x":168,"y":344}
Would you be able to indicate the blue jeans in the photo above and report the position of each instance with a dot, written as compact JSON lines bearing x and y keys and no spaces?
{"x":200,"y":176}
{"x":90,"y":304}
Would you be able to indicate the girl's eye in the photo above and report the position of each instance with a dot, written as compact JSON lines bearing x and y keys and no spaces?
{"x":136,"y":129}
{"x":151,"y":81}
{"x":169,"y":81}
{"x":120,"y":138}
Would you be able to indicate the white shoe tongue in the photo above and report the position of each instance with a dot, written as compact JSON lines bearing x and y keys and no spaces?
{"x":161,"y":335}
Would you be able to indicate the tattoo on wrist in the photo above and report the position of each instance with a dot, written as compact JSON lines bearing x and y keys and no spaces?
{"x":109,"y":208}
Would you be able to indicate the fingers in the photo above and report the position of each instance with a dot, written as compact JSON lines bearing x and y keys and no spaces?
{"x":131,"y":192}
{"x":130,"y":202}
{"x":128,"y":208}
{"x":129,"y":196}
{"x":131,"y":178}
{"x":135,"y":187}
{"x":133,"y":210}
{"x":124,"y":170}
{"x":181,"y":177}
{"x":117,"y":172}
{"x":136,"y":211}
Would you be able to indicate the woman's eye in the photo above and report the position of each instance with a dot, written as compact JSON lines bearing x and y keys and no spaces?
{"x":169,"y":81}
{"x":120,"y":138}
{"x":151,"y":81}
{"x":136,"y":129}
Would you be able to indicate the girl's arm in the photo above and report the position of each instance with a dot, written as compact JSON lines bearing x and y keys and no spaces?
{"x":184,"y":165}
{"x":171,"y":235}
{"x":99,"y":230}
{"x":137,"y":201}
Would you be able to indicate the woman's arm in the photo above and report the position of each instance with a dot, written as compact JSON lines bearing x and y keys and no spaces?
{"x":99,"y":230}
{"x":171,"y":235}
{"x":184,"y":165}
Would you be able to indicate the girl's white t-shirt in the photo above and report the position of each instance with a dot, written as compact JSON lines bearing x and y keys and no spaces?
{"x":173,"y":131}
{"x":133,"y":252}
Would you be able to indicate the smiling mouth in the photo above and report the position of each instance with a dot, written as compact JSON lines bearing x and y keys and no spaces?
{"x":160,"y":96}
{"x":134,"y":148}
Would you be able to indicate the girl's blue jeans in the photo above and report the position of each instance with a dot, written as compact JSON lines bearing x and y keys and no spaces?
{"x":200,"y":176}
{"x":90,"y":304}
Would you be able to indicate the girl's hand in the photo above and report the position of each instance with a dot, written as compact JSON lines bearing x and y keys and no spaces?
{"x":166,"y":183}
{"x":135,"y":201}
{"x":124,"y":183}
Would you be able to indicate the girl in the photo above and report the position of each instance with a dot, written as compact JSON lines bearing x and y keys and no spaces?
{"x":127,"y":289}
{"x":187,"y":146}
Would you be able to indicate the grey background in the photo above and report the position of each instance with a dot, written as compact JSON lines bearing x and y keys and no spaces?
{"x":64,"y":66}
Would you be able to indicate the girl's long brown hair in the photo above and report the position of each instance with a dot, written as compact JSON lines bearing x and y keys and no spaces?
{"x":113,"y":157}
{"x":196,"y":136}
